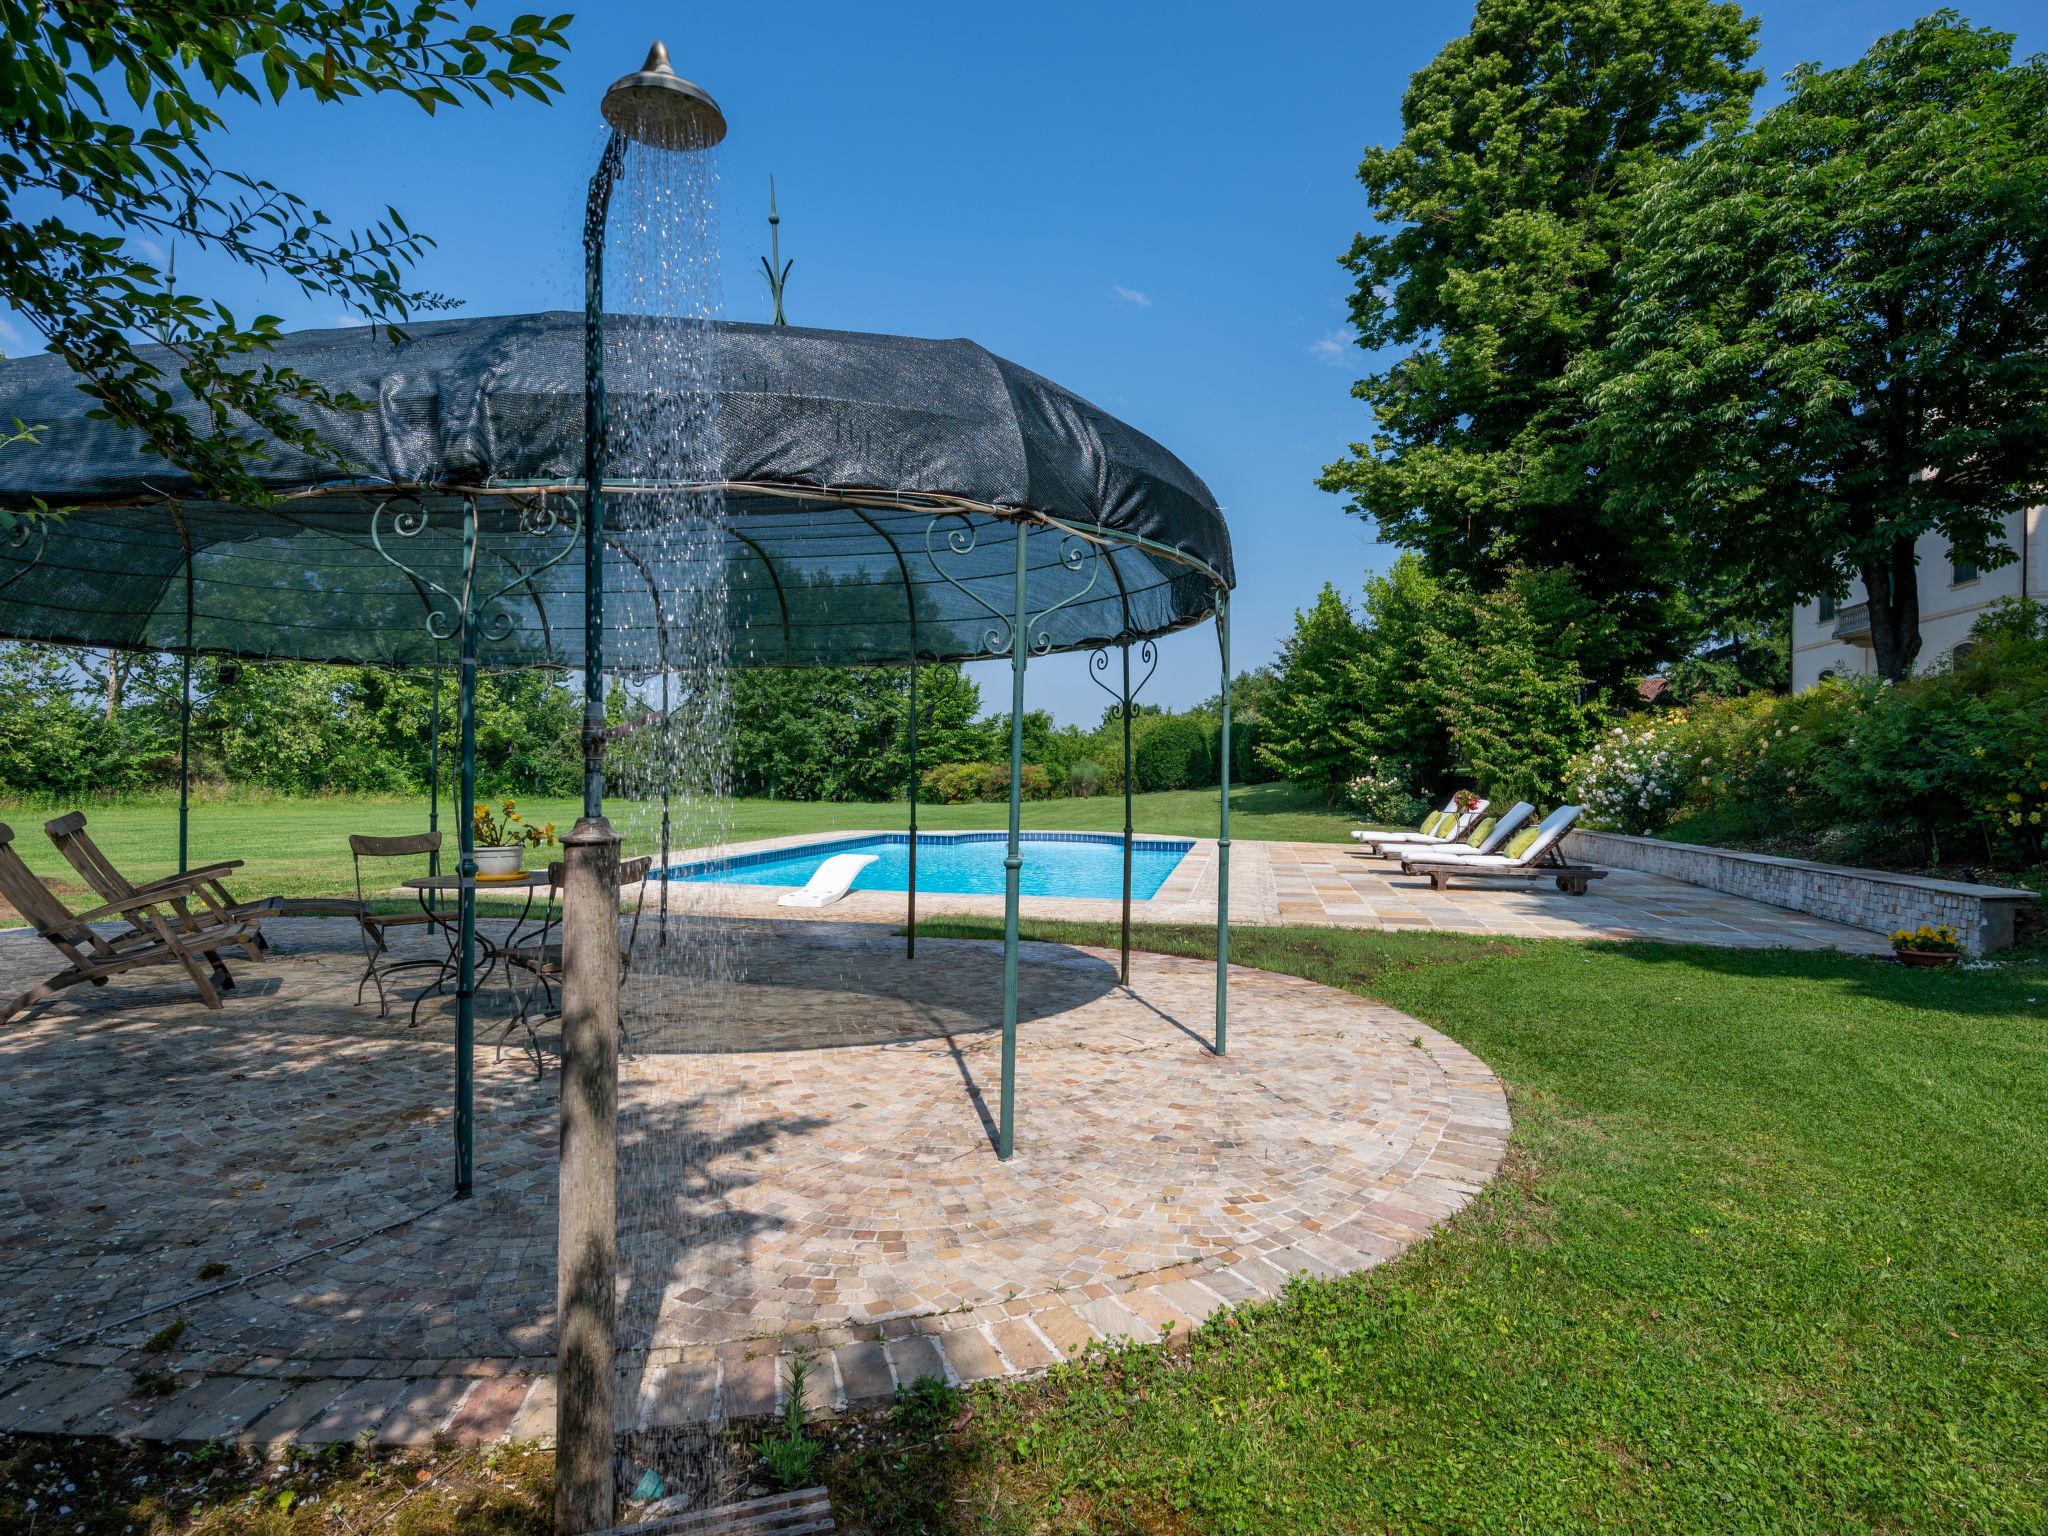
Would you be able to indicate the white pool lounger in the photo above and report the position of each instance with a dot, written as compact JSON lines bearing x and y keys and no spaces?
{"x":833,"y":880}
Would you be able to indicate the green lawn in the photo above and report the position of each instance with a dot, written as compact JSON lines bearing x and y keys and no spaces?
{"x":300,"y":847}
{"x":1766,"y":1256}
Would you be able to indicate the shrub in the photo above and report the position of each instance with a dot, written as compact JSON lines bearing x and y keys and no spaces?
{"x":963,"y":783}
{"x":1084,"y":778}
{"x":1381,"y":795}
{"x":1173,"y":753}
{"x":1634,"y":780}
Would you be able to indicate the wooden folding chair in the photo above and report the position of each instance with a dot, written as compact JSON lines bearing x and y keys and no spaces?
{"x":216,"y":906}
{"x":151,"y":939}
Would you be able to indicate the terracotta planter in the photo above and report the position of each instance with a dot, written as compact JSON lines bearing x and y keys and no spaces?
{"x":1926,"y":956}
{"x":504,"y":859}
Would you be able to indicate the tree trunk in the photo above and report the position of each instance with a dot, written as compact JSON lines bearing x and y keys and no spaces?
{"x":113,"y":685}
{"x":1892,"y":586}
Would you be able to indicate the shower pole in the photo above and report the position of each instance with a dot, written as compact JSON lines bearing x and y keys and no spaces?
{"x":657,"y":108}
{"x":1013,"y":859}
{"x":910,"y":925}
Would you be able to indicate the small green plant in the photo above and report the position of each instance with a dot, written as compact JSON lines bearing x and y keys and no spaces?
{"x":792,"y":1457}
{"x":926,"y":1406}
{"x":153,"y":1381}
{"x":213,"y":1269}
{"x":161,"y":1342}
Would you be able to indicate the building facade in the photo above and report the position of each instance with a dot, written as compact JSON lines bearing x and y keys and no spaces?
{"x":1833,"y":639}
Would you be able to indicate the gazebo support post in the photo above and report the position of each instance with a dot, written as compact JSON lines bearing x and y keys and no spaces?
{"x":465,"y":867}
{"x":910,"y":921}
{"x":586,"y":1305}
{"x":1223,"y":833}
{"x":1013,"y":859}
{"x":668,"y":773}
{"x":434,"y":776}
{"x":1123,"y":969}
{"x":184,"y":726}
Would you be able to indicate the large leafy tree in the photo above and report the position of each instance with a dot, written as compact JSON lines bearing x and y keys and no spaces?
{"x":1836,"y":333}
{"x":1313,"y":725}
{"x":109,"y":121}
{"x":1502,"y":210}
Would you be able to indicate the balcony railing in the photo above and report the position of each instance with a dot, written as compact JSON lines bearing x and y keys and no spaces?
{"x":1852,"y":622}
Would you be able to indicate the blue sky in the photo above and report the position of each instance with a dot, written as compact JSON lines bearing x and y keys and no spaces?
{"x":1144,"y":202}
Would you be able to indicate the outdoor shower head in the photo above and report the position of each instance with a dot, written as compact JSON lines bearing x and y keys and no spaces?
{"x":657,"y":107}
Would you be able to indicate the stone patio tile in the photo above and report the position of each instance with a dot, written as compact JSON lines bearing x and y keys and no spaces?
{"x":423,"y":1412}
{"x":970,"y":1355}
{"x":488,"y":1411}
{"x":914,"y":1357}
{"x":1022,"y":1345}
{"x":751,"y":1387}
{"x":357,"y":1411}
{"x":25,"y":1408}
{"x":864,"y":1375}
{"x":535,"y":1419}
{"x":1115,"y":1321}
{"x":298,"y":1408}
{"x":683,"y":1393}
{"x":1066,"y":1328}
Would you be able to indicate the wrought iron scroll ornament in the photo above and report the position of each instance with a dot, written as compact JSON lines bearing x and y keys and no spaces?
{"x":25,"y":531}
{"x":1098,"y":662}
{"x":1076,"y":554}
{"x":960,"y":541}
{"x":538,"y":519}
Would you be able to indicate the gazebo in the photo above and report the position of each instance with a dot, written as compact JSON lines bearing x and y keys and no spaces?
{"x":883,"y":500}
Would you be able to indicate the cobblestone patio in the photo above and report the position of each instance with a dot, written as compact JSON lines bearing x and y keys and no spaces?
{"x":806,"y":1163}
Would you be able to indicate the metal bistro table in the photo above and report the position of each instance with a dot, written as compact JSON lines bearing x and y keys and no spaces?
{"x":426,"y":887}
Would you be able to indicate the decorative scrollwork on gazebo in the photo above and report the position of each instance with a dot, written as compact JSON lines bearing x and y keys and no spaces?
{"x":539,"y":519}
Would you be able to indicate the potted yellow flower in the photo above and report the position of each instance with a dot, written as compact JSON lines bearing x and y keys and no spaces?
{"x":1927,"y":945}
{"x":501,"y":836}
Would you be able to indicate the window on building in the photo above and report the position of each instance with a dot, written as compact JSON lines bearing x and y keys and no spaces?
{"x":1961,"y":572}
{"x":1827,"y":608}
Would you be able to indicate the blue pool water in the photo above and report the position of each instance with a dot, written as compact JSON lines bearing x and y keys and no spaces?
{"x":965,"y":863}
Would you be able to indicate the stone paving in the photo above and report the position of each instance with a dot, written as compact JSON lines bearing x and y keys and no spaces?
{"x":806,"y":1163}
{"x":1342,"y":886}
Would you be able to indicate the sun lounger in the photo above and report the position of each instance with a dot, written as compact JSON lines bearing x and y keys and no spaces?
{"x":1461,"y":827}
{"x":1490,"y":835}
{"x":200,"y":902}
{"x":1539,"y":858}
{"x":833,"y":880}
{"x":153,"y":938}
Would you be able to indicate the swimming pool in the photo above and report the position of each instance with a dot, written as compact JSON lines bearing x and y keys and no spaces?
{"x":964,"y":864}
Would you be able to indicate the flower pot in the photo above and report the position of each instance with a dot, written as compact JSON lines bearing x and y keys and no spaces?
{"x":504,"y":859}
{"x":1927,"y":956}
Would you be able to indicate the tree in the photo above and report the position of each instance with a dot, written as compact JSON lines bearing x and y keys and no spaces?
{"x":1836,"y":332}
{"x":1508,"y":689}
{"x":1315,"y":730}
{"x":1401,"y":716}
{"x":839,"y":733}
{"x":84,"y":274}
{"x":1505,"y":204}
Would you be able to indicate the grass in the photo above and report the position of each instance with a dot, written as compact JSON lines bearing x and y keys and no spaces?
{"x":1765,"y":1256}
{"x":300,"y":847}
{"x":116,"y":1488}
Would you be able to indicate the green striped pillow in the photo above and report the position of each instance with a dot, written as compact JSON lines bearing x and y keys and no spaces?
{"x":1522,"y":841}
{"x":1478,"y":835}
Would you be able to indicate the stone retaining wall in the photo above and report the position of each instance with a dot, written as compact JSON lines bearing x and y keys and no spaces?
{"x":1863,"y":898}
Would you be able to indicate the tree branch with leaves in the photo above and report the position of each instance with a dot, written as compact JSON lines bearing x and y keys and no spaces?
{"x":109,"y":115}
